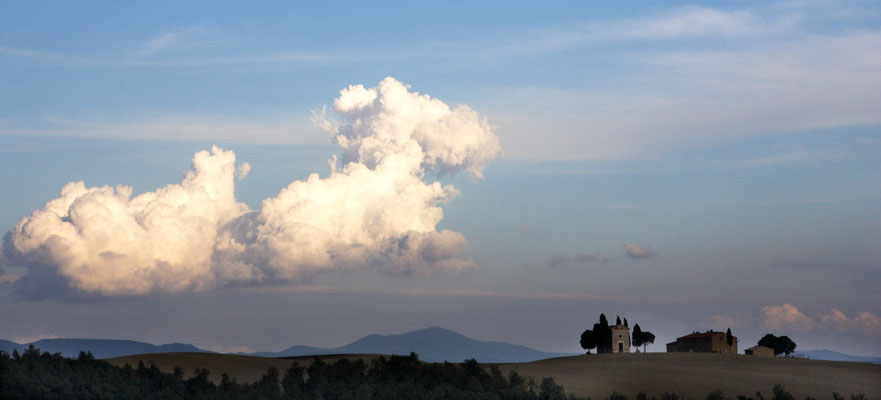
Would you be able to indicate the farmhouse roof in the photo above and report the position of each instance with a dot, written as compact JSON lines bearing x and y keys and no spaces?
{"x":698,"y":335}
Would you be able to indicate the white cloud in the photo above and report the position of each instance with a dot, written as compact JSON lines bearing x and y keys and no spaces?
{"x":694,"y":21}
{"x":177,"y":40}
{"x":158,"y":44}
{"x":786,"y":316}
{"x":636,"y":252}
{"x":375,"y":210}
{"x":243,"y":171}
{"x":863,"y":321}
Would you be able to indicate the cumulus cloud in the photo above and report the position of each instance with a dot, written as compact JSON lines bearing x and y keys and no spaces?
{"x":558,"y":259}
{"x":636,"y":252}
{"x":863,"y":321}
{"x":788,"y":316}
{"x":378,"y":209}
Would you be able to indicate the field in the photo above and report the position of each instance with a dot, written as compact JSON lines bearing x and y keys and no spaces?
{"x":597,"y":376}
{"x":695,"y":374}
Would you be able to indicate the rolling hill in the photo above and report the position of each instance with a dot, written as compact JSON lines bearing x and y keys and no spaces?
{"x":691,"y":375}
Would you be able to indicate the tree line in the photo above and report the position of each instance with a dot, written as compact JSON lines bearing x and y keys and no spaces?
{"x":35,"y":375}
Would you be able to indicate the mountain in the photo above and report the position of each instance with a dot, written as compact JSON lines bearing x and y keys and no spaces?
{"x":432,"y":344}
{"x":8,"y":346}
{"x":831,"y":355}
{"x":100,"y":348}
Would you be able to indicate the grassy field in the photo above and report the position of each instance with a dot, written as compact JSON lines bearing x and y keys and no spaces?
{"x":597,"y":376}
{"x":696,"y":374}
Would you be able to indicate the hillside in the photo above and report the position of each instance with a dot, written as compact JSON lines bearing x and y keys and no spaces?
{"x":597,"y":376}
{"x":696,"y":374}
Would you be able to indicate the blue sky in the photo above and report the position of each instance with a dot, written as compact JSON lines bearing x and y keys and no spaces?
{"x":735,"y":145}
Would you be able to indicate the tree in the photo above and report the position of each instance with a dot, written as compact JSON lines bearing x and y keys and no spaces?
{"x":637,"y":336}
{"x":588,"y":340}
{"x":647,"y":338}
{"x":780,"y":345}
{"x":603,"y":321}
{"x":729,"y":338}
{"x":786,"y":345}
{"x":617,"y":320}
{"x":625,"y":322}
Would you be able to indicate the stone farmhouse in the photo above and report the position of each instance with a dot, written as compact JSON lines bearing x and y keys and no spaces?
{"x":760,"y":351}
{"x":706,"y":342}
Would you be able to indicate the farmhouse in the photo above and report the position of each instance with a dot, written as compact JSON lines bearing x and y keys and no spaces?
{"x":760,"y":351}
{"x":706,"y":342}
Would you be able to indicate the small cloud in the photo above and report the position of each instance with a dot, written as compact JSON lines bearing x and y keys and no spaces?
{"x":695,"y":21}
{"x":175,"y":40}
{"x":243,"y":171}
{"x":636,"y":252}
{"x":786,"y":316}
{"x":863,"y":321}
{"x":581,"y":258}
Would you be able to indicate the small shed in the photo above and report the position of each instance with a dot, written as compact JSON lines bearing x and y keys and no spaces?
{"x":760,"y":351}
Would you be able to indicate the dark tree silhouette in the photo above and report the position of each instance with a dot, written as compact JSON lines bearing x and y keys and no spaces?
{"x":625,"y":322}
{"x":603,"y":321}
{"x":617,"y":320}
{"x":35,"y":375}
{"x":786,"y":344}
{"x":729,"y":338}
{"x":647,"y":338}
{"x":588,"y":340}
{"x":637,"y":336}
{"x":780,"y":345}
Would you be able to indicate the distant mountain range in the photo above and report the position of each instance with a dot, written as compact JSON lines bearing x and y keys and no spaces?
{"x":100,"y":348}
{"x":432,"y":344}
{"x":835,"y":356}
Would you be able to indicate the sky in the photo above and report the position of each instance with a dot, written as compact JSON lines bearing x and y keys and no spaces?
{"x":249,"y":178}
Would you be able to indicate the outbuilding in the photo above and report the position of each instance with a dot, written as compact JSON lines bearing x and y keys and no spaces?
{"x":760,"y":351}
